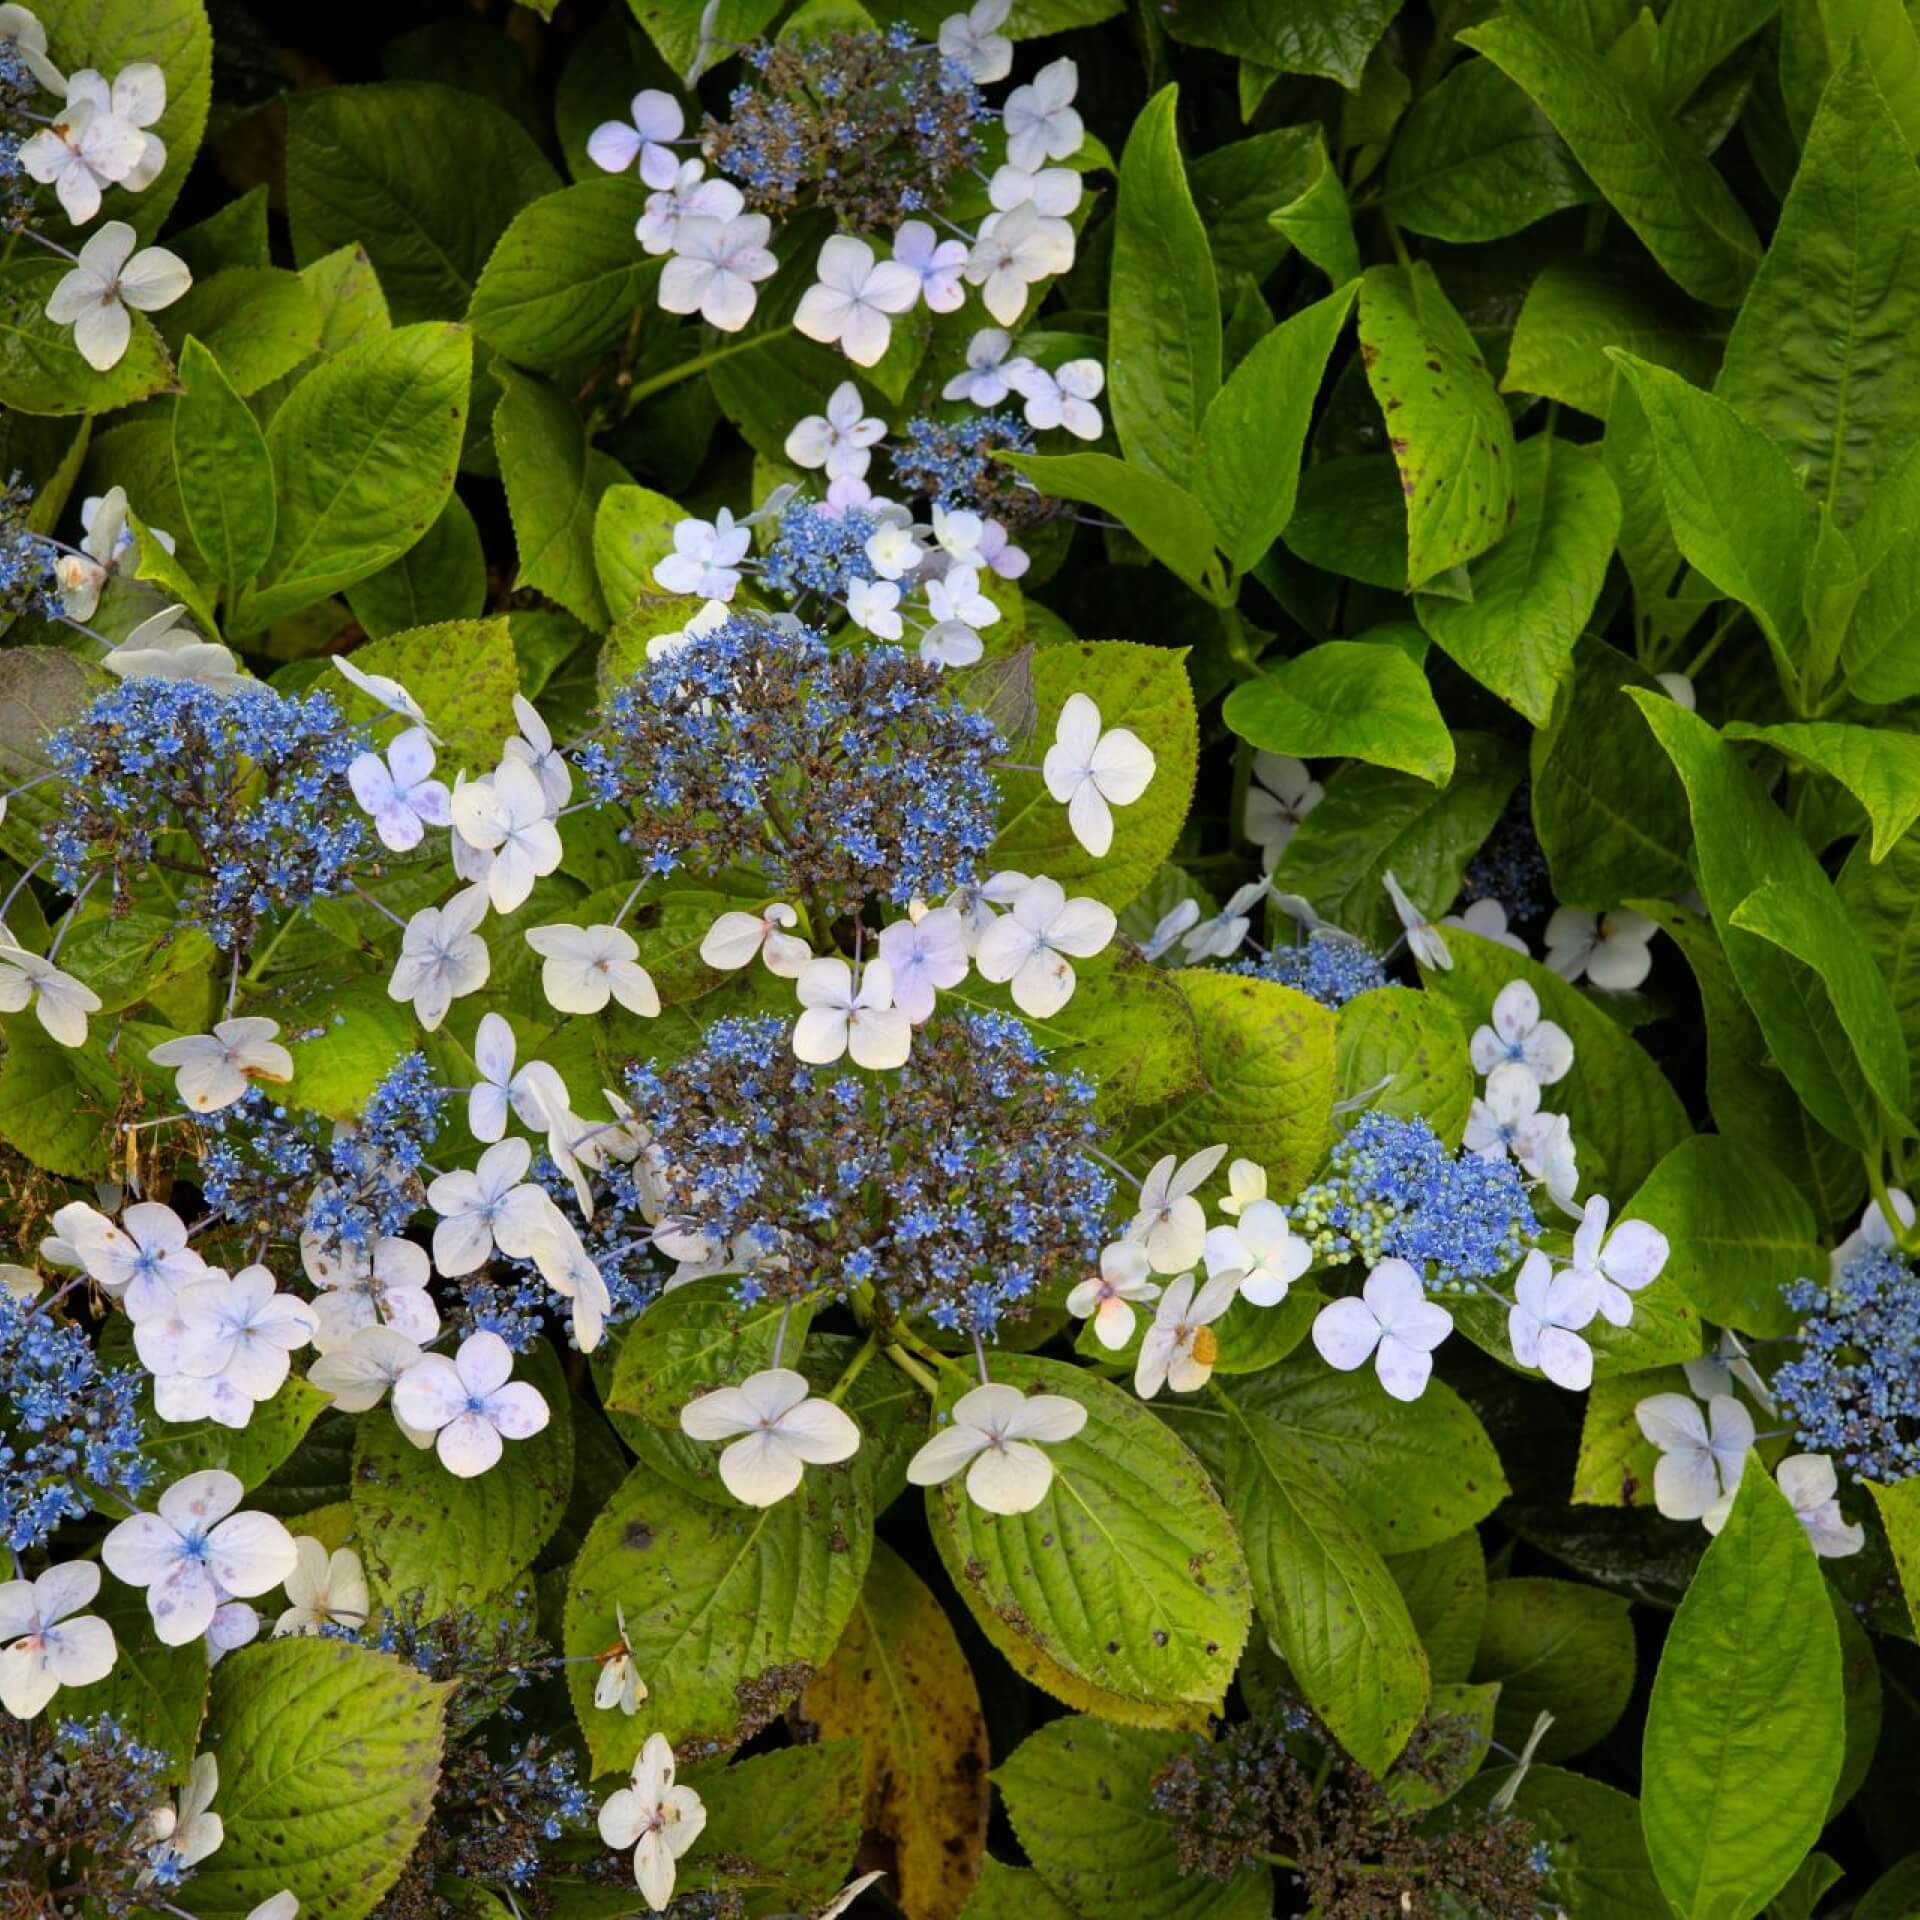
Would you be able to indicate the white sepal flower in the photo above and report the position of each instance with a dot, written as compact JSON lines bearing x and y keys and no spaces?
{"x":996,"y":1434}
{"x":1701,"y":1455}
{"x":400,"y":791}
{"x":1090,"y":771}
{"x":240,"y":1332}
{"x":1811,"y":1486}
{"x":1543,"y":1325}
{"x":657,"y":1819}
{"x":839,"y":441}
{"x":1502,"y":1119}
{"x":1179,"y":1349}
{"x":442,"y":956}
{"x":862,"y":1023}
{"x":385,"y":1289}
{"x":1170,"y":1222}
{"x":615,"y":145}
{"x":937,"y":264}
{"x":971,"y":40}
{"x":735,"y":939}
{"x":470,"y":1403}
{"x":618,"y":1683}
{"x":161,"y":648}
{"x":689,"y":195}
{"x":1065,"y":397}
{"x":1054,"y":191}
{"x":135,"y":102}
{"x":1262,"y":1255}
{"x":493,"y":1204}
{"x":1392,"y":1321}
{"x":852,"y":302}
{"x":532,"y":747}
{"x":360,"y":1374}
{"x":1109,"y":1299}
{"x":59,"y":1001}
{"x":384,"y":691}
{"x":926,"y":954}
{"x":187,"y":1830}
{"x":588,"y":966}
{"x":1424,"y":940}
{"x":1028,"y":948}
{"x":1622,"y":1262}
{"x":775,"y":1429}
{"x":325,"y":1590}
{"x":43,"y":1647}
{"x":196,"y":1551}
{"x":507,"y":817}
{"x":1014,"y":251}
{"x":86,"y":147}
{"x":990,"y":370}
{"x":714,"y":268}
{"x":1611,"y":949}
{"x":1040,"y":119}
{"x":1520,"y":1036}
{"x":144,"y":1261}
{"x":535,"y":1093}
{"x":1280,"y":795}
{"x":706,"y":557}
{"x":213,"y":1070}
{"x":21,"y":27}
{"x":874,"y":607}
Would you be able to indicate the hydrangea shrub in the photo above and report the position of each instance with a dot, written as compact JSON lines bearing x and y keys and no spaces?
{"x":957,"y":963}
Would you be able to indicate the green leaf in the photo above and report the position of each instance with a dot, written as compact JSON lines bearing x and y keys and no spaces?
{"x":1745,"y":1729}
{"x":1878,"y":766}
{"x":42,"y":689}
{"x":1895,"y":1895}
{"x":783,"y":1824}
{"x":1899,"y":1510}
{"x":1819,"y":356}
{"x":1266,"y":1064}
{"x":251,"y":1453}
{"x":566,"y":277}
{"x":1413,"y":1473}
{"x":258,"y":322}
{"x":632,"y":532}
{"x":729,"y":1609}
{"x":226,"y":473}
{"x":1248,"y":467}
{"x":1448,"y":428}
{"x":1650,"y":169}
{"x":57,"y":1103}
{"x":441,"y":577}
{"x":1621,"y":1104}
{"x":160,"y":1692}
{"x":329,"y":1757}
{"x":555,"y":478}
{"x":1533,"y":594}
{"x":1573,"y":313}
{"x":1164,"y":325}
{"x":1445,"y":1588}
{"x":1144,"y":688}
{"x":1319,"y":221}
{"x":41,"y":371}
{"x":1365,"y":700}
{"x":900,"y":1685}
{"x":1079,"y":1794}
{"x":1737,"y":1233}
{"x":1238,"y":187}
{"x":458,"y":1543}
{"x":1332,"y":38}
{"x":424,"y":177}
{"x":1350,"y":519}
{"x":1166,"y":519}
{"x":1413,"y":1045}
{"x":1477,"y":160}
{"x":1130,"y":1517}
{"x":1013,"y":1893}
{"x":1325,"y":1595}
{"x":1372,"y":820}
{"x":1735,"y":504}
{"x":363,"y":456}
{"x":234,"y":235}
{"x":462,"y":673}
{"x":1608,"y":807}
{"x":1558,"y":1648}
{"x":693,"y":1340}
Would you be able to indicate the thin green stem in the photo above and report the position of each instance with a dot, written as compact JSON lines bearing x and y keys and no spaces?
{"x":855,"y":1367}
{"x":686,"y":369}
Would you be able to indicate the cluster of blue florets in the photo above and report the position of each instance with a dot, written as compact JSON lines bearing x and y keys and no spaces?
{"x":256,"y":780}
{"x":68,"y":1425}
{"x":1332,"y":968}
{"x":960,"y":1187}
{"x":951,"y":463}
{"x":1392,"y":1190}
{"x":819,"y":550}
{"x":1510,"y":866}
{"x":841,"y":777}
{"x":28,"y":584}
{"x":18,"y":90}
{"x":1854,"y":1388}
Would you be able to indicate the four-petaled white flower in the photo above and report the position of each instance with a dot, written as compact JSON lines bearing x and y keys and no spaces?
{"x":991,"y":366}
{"x":42,"y":1646}
{"x":1262,"y":1255}
{"x":400,"y":791}
{"x":1391,"y":1320}
{"x":841,"y":440}
{"x":775,"y":1429}
{"x":1027,"y":948}
{"x":996,"y":1434}
{"x":1426,"y":943}
{"x":1012,"y":252}
{"x":1090,"y":771}
{"x":863,"y":1023}
{"x":161,"y":648}
{"x":657,"y":1819}
{"x":937,"y":264}
{"x":874,"y":607}
{"x":1543,"y":1325}
{"x":490,"y":1204}
{"x":854,"y":298}
{"x":136,"y":100}
{"x":238,"y":1334}
{"x":1507,"y":1118}
{"x":387,"y":1288}
{"x":618,"y":1683}
{"x":507,"y":816}
{"x":735,"y":938}
{"x":1487,"y":918}
{"x":470,"y":1403}
{"x":1519,"y":1036}
{"x":1040,"y":119}
{"x":59,"y":1001}
{"x":326,"y":1590}
{"x":1811,"y":1486}
{"x":110,"y":277}
{"x":1170,"y":1223}
{"x":1179,"y":1349}
{"x":84,"y":148}
{"x":1110,"y":1297}
{"x":926,"y":955}
{"x":588,"y":966}
{"x":1064,"y":397}
{"x":893,"y":549}
{"x":535,"y":1093}
{"x":972,"y":40}
{"x":706,"y":556}
{"x":1622,"y":1262}
{"x":442,"y":956}
{"x":145,"y":1260}
{"x":714,"y":267}
{"x":614,"y":145}
{"x":1280,"y":795}
{"x":959,"y":611}
{"x":186,"y":1829}
{"x":1701,"y":1455}
{"x":196,"y":1552}
{"x":213,"y":1070}
{"x":1609,"y":948}
{"x":384,"y":691}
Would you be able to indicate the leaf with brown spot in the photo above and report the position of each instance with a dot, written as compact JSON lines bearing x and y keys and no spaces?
{"x":900,"y":1683}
